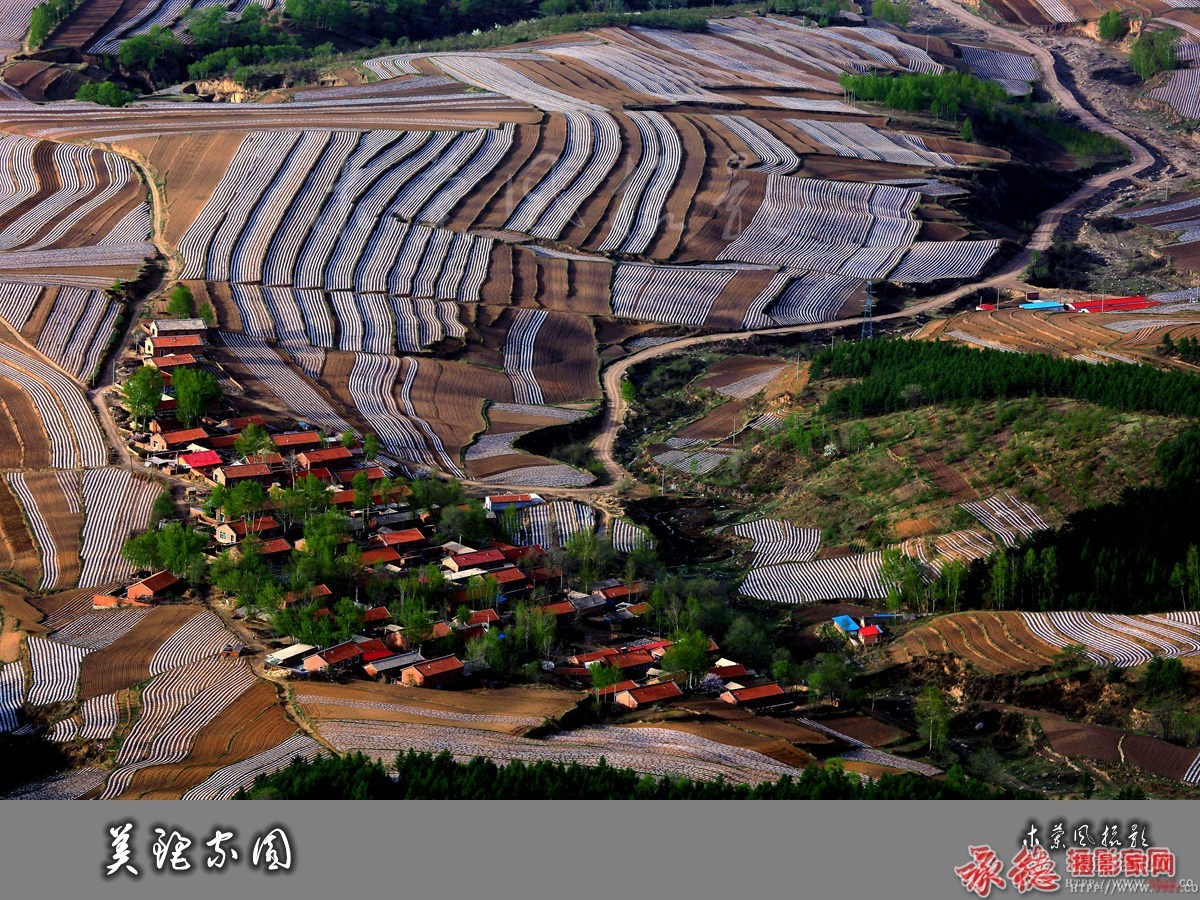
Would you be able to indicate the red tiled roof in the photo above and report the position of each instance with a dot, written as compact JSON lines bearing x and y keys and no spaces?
{"x":484,"y":617}
{"x":273,"y":546}
{"x":373,"y":650}
{"x":243,"y":421}
{"x":510,"y":575}
{"x":632,"y":659}
{"x":292,"y":438}
{"x":471,"y":560}
{"x":159,"y":581}
{"x":758,"y":692}
{"x":181,"y":340}
{"x":187,"y":436}
{"x":438,"y":666}
{"x":510,"y":498}
{"x":871,"y":630}
{"x":222,"y":441}
{"x":374,"y":473}
{"x":562,"y":608}
{"x":341,"y":653}
{"x":173,"y":361}
{"x":242,"y":528}
{"x":376,"y":614}
{"x":380,"y":555}
{"x":331,"y":454}
{"x":623,"y":591}
{"x":614,"y":688}
{"x":723,"y":672}
{"x":202,"y":459}
{"x":651,"y":693}
{"x":247,"y":470}
{"x":393,"y":538}
{"x":594,"y":655}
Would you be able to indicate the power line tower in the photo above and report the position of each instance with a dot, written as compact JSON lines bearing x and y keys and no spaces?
{"x":868,"y":317}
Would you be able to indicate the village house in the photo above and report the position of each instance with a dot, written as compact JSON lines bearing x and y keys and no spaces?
{"x":444,"y":671}
{"x":153,"y":588}
{"x":389,"y":670}
{"x":312,"y":459}
{"x":480,"y":559}
{"x":201,"y":461}
{"x":265,"y":527}
{"x":497,"y":503}
{"x":177,"y":327}
{"x":339,"y":658}
{"x":290,"y":657}
{"x":174,"y":441}
{"x":172,"y":345}
{"x":297,"y":441}
{"x":235,"y":474}
{"x":756,"y":696}
{"x":639,"y":697}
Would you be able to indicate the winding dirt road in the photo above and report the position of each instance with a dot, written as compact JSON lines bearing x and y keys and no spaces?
{"x":615,"y":407}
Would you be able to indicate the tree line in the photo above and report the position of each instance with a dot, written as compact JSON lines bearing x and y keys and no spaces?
{"x":895,"y":375}
{"x":425,"y":776}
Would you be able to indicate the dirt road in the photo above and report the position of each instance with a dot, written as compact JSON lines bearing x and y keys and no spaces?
{"x":1048,"y":223}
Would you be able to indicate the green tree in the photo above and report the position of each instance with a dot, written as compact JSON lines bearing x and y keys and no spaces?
{"x":829,"y":678}
{"x":688,"y":655}
{"x":180,"y":303}
{"x":967,"y":132}
{"x":143,"y":392}
{"x":347,"y":439}
{"x":933,"y":717}
{"x":465,"y":522}
{"x":1153,"y":52}
{"x":604,"y":676}
{"x":40,"y":23}
{"x":163,"y":508}
{"x":158,"y":53}
{"x":1113,"y":26}
{"x":1071,"y":658}
{"x":254,"y":439}
{"x":1163,"y":677}
{"x":370,"y":446}
{"x":196,"y":390}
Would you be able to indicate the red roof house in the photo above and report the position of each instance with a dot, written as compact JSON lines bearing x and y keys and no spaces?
{"x":441,"y":672}
{"x":637,"y":697}
{"x":152,"y":588}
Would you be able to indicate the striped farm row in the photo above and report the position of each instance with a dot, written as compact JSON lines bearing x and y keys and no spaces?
{"x":224,"y":783}
{"x":519,"y":346}
{"x":372,"y":385}
{"x":776,"y":541}
{"x":96,"y":630}
{"x":593,"y":145}
{"x":12,"y":694}
{"x":116,"y":504}
{"x":800,"y":299}
{"x":68,"y":418}
{"x":846,"y":578}
{"x":644,"y":195}
{"x":173,"y":740}
{"x":55,"y":670}
{"x":329,"y":210}
{"x":852,"y":229}
{"x":341,"y":320}
{"x":202,"y":637}
{"x":1007,"y":517}
{"x":268,"y":367}
{"x":860,"y":141}
{"x":627,"y":537}
{"x":672,"y":295}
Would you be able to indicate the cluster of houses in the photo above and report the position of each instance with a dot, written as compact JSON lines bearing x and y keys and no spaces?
{"x":862,"y":633}
{"x":170,"y":345}
{"x":645,"y":683}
